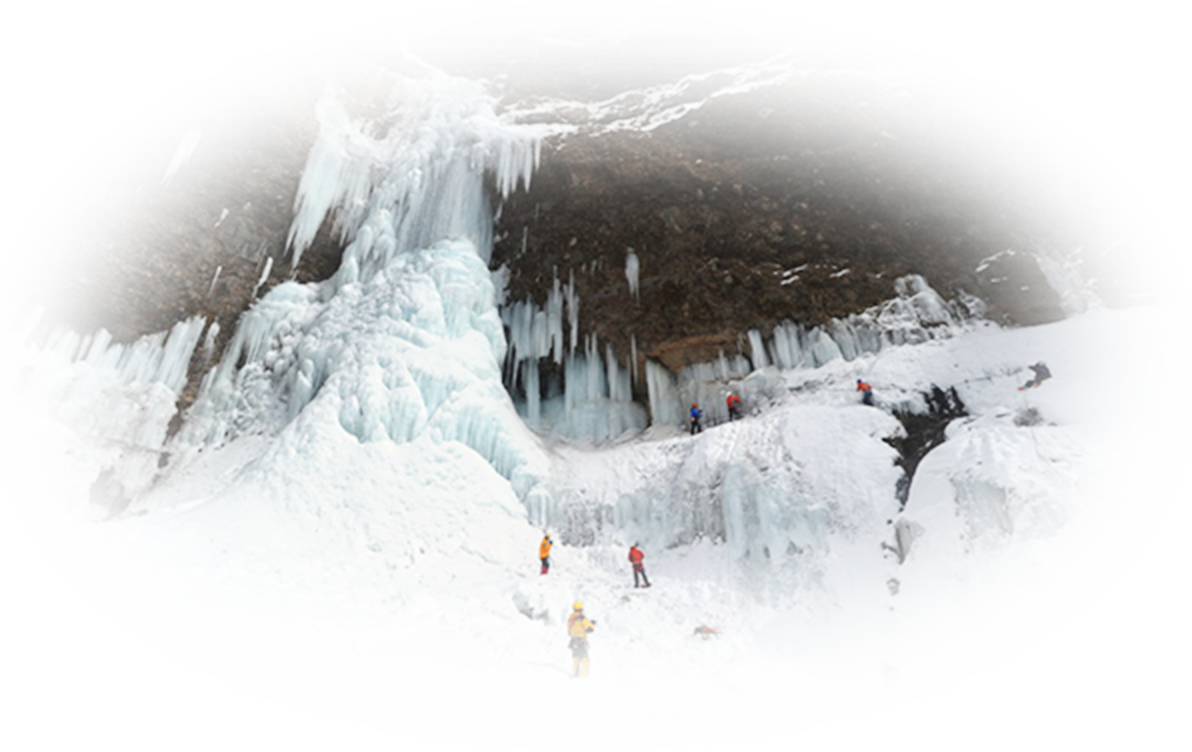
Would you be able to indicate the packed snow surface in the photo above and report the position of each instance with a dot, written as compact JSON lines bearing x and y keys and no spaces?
{"x":309,"y":588}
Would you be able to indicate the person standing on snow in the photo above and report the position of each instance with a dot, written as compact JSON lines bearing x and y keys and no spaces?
{"x":695,"y":416}
{"x":544,"y":553}
{"x":734,"y":405}
{"x":1042,"y":373}
{"x":578,"y":627}
{"x":635,"y":558}
{"x":866,"y":392}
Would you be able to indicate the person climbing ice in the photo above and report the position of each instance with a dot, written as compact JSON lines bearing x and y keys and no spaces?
{"x":1042,"y":373}
{"x":578,"y":627}
{"x":639,"y":570}
{"x":544,"y":552}
{"x":866,"y":391}
{"x":695,"y":416}
{"x":734,"y":406}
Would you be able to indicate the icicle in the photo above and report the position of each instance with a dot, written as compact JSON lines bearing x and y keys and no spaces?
{"x":572,"y":300}
{"x":632,"y":270}
{"x":533,"y":392}
{"x":209,"y":340}
{"x":665,"y":405}
{"x":633,"y":359}
{"x":214,"y":279}
{"x":554,"y":308}
{"x":264,"y":276}
{"x":757,"y":349}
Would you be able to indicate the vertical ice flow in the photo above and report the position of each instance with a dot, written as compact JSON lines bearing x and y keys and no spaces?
{"x":404,"y":342}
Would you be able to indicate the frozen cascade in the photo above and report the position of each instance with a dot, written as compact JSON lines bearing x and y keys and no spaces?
{"x":595,"y":400}
{"x":404,"y":343}
{"x":917,"y":314}
{"x":122,"y":397}
{"x":418,"y":181}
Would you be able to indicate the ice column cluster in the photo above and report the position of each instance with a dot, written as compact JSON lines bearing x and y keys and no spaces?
{"x":569,"y":402}
{"x":412,"y":178}
{"x":404,"y":342}
{"x":917,"y":314}
{"x":588,"y":394}
{"x":121,"y":397}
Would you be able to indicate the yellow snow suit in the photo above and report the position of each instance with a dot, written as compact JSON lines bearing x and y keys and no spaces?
{"x":578,"y":627}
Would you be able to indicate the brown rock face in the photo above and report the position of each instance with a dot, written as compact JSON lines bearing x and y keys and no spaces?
{"x":801,"y":202}
{"x":802,"y":199}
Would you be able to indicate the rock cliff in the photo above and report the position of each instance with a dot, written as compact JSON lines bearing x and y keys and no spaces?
{"x":747,"y":201}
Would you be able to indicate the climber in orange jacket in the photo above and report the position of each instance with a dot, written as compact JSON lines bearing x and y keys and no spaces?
{"x":866,"y":392}
{"x":635,"y":558}
{"x":578,"y":627}
{"x":544,"y":553}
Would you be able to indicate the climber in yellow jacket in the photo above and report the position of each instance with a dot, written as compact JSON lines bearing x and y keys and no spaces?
{"x":578,"y":627}
{"x":544,"y":553}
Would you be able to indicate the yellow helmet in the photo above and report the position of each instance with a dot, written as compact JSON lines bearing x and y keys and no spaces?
{"x":577,"y":606}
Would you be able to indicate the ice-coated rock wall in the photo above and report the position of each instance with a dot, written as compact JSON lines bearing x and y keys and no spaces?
{"x":916,"y":313}
{"x":121,"y":398}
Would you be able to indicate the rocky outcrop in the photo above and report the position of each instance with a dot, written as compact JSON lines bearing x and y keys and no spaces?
{"x":755,"y":209}
{"x":779,"y":202}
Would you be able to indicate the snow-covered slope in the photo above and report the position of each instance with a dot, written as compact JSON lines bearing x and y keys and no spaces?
{"x":312,"y":588}
{"x":339,"y":549}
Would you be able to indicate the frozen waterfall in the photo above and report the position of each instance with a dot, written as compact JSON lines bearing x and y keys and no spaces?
{"x":404,"y":343}
{"x":539,"y":340}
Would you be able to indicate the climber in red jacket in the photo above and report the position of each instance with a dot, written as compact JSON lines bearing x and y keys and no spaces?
{"x":635,"y":557}
{"x":734,"y":406}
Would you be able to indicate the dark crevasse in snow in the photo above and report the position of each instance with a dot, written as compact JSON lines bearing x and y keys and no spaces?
{"x":924,"y":432}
